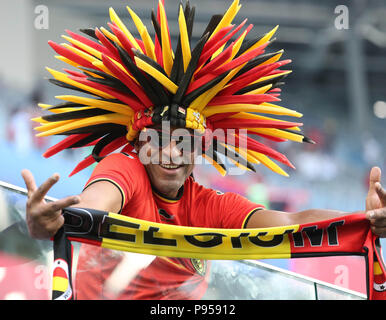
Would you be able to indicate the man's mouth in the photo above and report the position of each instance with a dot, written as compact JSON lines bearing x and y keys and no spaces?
{"x":169,"y":166}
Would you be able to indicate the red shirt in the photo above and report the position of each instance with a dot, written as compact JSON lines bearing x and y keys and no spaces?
{"x":164,"y":278}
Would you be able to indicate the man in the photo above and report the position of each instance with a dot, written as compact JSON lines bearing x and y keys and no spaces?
{"x":138,"y":86}
{"x":172,"y":189}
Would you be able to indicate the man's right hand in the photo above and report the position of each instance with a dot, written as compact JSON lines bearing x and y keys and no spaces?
{"x":44,"y":219}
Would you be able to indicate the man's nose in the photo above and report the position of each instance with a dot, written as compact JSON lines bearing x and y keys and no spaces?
{"x":171,"y":150}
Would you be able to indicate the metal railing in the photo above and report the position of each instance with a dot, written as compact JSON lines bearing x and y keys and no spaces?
{"x":26,"y":266}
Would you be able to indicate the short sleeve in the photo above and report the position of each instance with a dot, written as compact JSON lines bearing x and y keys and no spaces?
{"x":235,"y":210}
{"x":229,"y":210}
{"x":119,"y":169}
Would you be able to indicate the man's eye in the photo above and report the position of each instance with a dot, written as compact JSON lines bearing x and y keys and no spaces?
{"x":178,"y":140}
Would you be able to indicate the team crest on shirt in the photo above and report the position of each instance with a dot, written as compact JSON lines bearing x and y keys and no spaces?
{"x":199,"y":266}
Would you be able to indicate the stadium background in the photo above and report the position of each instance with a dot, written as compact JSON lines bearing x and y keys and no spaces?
{"x":338,"y":83}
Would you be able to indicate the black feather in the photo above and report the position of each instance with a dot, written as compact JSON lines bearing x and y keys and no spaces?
{"x":189,"y":98}
{"x":85,"y":141}
{"x":67,"y":86}
{"x":90,"y":32}
{"x":73,"y":115}
{"x":260,"y":84}
{"x":139,"y":76}
{"x":102,"y":128}
{"x":213,"y":23}
{"x":184,"y":83}
{"x":103,"y":143}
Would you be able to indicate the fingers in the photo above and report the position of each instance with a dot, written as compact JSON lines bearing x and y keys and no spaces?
{"x":373,"y":201}
{"x":41,"y":192}
{"x":46,"y":228}
{"x":58,"y":205}
{"x":377,"y":219}
{"x":381,"y":193}
{"x":379,"y":231}
{"x":35,"y":193}
{"x":377,"y":214}
{"x":375,"y":175}
{"x":45,"y":219}
{"x":29,"y":181}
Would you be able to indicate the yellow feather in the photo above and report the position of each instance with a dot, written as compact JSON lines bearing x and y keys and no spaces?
{"x":274,"y":59}
{"x":101,"y":66}
{"x":51,"y":125}
{"x":246,"y":107}
{"x":185,"y":45}
{"x":246,"y":115}
{"x":68,"y":61}
{"x":64,"y":78}
{"x":242,"y":153}
{"x":264,"y":39}
{"x":114,"y":17}
{"x":83,"y":46}
{"x":80,"y":53}
{"x":235,"y":48}
{"x":268,"y":163}
{"x":66,"y":126}
{"x":261,"y":90}
{"x":111,"y":36}
{"x":272,"y":76}
{"x":105,"y":105}
{"x":64,"y":110}
{"x":161,"y":78}
{"x":166,"y":50}
{"x":44,"y":106}
{"x":147,"y":41}
{"x":279,"y":134}
{"x":215,"y":164}
{"x":149,"y":45}
{"x":228,"y":17}
{"x":201,"y":101}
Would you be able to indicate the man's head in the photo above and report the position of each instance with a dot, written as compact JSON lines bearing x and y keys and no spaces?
{"x":168,"y":156}
{"x":223,"y":81}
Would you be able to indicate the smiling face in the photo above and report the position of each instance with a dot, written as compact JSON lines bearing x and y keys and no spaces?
{"x":167,"y":163}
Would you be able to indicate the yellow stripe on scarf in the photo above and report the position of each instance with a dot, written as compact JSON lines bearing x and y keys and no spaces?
{"x":159,"y":239}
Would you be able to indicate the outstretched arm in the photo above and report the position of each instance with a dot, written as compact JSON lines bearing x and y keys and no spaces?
{"x":375,"y":211}
{"x":271,"y":218}
{"x":376,"y":203}
{"x":44,"y":219}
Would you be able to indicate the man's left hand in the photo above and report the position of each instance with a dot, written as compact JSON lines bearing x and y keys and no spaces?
{"x":376,"y":203}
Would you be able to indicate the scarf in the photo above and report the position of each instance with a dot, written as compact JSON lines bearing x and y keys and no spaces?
{"x":345,"y":235}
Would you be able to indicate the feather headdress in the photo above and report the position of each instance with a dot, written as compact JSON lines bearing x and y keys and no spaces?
{"x":222,"y":82}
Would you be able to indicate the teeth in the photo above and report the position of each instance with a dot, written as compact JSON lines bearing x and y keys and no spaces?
{"x":169,"y":166}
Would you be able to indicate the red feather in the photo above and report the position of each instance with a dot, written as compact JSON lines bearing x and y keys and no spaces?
{"x":248,"y":99}
{"x":132,"y":102}
{"x":64,"y":144}
{"x":67,"y":53}
{"x":130,"y":83}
